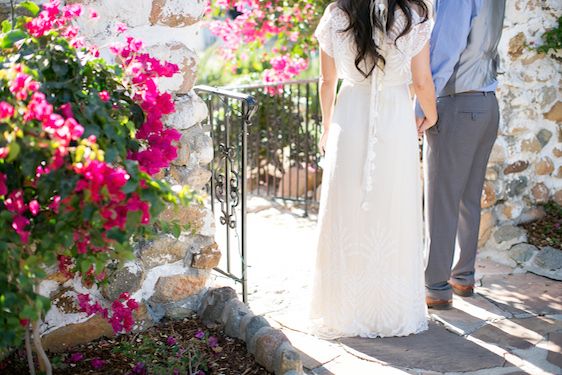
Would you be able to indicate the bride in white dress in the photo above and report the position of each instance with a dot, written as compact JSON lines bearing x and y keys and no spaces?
{"x":369,"y":278}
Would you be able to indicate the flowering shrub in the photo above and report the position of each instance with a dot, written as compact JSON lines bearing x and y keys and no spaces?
{"x":281,"y":30}
{"x":80,"y":141}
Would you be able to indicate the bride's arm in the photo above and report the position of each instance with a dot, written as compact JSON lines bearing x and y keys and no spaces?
{"x":328,"y":83}
{"x":424,"y":88}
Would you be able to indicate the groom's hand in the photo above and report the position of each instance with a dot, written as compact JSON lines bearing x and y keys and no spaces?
{"x":423,"y":124}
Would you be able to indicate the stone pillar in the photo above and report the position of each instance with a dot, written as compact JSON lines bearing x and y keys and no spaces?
{"x":526,"y":164}
{"x":169,"y":275}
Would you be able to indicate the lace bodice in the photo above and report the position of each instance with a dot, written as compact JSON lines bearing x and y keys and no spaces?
{"x":397,"y":52}
{"x":341,"y":46}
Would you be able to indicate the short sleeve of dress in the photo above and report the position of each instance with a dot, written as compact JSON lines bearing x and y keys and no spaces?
{"x":323,"y":32}
{"x":413,"y":42}
{"x":421,"y":34}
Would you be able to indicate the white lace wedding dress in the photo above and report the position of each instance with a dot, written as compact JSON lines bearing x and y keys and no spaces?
{"x":369,"y":265}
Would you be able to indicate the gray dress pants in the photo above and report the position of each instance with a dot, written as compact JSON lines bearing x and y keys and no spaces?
{"x":456,"y":151}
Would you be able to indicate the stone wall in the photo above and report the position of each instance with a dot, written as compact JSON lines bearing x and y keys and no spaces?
{"x":169,"y":275}
{"x":526,"y":164}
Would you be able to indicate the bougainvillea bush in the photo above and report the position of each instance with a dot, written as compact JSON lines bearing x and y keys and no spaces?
{"x":280,"y":32}
{"x":81,"y":140}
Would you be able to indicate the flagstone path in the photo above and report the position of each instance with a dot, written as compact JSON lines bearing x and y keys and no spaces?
{"x":512,"y":325}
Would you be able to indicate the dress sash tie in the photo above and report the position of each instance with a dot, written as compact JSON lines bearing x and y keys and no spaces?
{"x":379,"y":36}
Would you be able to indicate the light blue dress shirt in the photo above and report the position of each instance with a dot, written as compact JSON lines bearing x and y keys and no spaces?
{"x":453,"y":20}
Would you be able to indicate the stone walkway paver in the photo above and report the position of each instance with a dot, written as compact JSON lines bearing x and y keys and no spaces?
{"x":513,"y":324}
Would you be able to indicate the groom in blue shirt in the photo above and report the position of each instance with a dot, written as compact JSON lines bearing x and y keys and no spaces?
{"x":464,"y":63}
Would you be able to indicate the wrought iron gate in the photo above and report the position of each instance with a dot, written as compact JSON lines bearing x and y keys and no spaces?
{"x":283,"y":157}
{"x":230,"y":115}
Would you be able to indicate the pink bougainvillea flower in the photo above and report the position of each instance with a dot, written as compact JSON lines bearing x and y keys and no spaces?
{"x":120,"y":27}
{"x":55,"y":204}
{"x":14,"y":203}
{"x":124,"y":295}
{"x":21,"y":85}
{"x":213,"y":341}
{"x":66,"y":110}
{"x":132,"y":304}
{"x":34,"y":207}
{"x":52,"y":8}
{"x":94,"y":51}
{"x":19,"y":223}
{"x":6,"y":110}
{"x":104,"y":96}
{"x":65,"y":266}
{"x":39,"y":109}
{"x":72,"y":11}
{"x":90,"y":308}
{"x":76,"y":357}
{"x":171,"y":341}
{"x":93,"y":14}
{"x":97,"y":363}
{"x":4,"y":151}
{"x":3,"y":186}
{"x":140,"y":368}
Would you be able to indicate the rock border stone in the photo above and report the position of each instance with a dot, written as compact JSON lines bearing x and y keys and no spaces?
{"x":508,"y":246}
{"x":270,"y":346}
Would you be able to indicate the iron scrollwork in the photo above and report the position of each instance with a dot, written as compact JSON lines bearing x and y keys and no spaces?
{"x":228,"y":196}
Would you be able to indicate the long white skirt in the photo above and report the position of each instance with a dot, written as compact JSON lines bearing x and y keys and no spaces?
{"x":369,"y":278}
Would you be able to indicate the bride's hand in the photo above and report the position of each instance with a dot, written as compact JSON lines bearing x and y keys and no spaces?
{"x":322,"y":142}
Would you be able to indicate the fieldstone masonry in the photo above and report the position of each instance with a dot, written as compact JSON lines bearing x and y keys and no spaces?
{"x":526,"y":163}
{"x":169,"y":275}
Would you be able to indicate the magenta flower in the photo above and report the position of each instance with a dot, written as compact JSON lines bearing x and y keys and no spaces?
{"x":94,"y":15}
{"x":97,"y":363}
{"x":76,"y":357}
{"x":121,"y":27}
{"x":139,"y":368}
{"x":3,"y":187}
{"x":213,"y":342}
{"x":14,"y":203}
{"x":199,"y":334}
{"x":6,"y":110}
{"x":104,"y":96}
{"x":19,"y":224}
{"x":55,"y":204}
{"x":34,"y":207}
{"x":171,"y":341}
{"x":132,"y":304}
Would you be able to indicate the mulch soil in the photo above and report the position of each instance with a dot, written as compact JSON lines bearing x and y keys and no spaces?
{"x":156,"y":349}
{"x":548,"y":230}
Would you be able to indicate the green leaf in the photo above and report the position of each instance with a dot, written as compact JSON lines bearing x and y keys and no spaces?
{"x":111,"y":154}
{"x":6,"y":26}
{"x":30,"y":7}
{"x":14,"y":151}
{"x":117,"y":235}
{"x":12,"y":37}
{"x":130,"y":186}
{"x":176,"y":230}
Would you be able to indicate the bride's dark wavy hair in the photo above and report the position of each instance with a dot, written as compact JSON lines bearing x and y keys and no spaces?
{"x":359,"y":15}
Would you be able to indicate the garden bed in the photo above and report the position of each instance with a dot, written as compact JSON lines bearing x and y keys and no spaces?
{"x":548,"y":230}
{"x":172,"y":347}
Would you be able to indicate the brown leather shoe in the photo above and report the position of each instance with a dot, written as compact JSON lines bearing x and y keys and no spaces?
{"x":438,"y":304}
{"x":462,"y":290}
